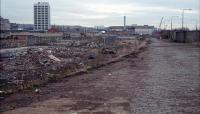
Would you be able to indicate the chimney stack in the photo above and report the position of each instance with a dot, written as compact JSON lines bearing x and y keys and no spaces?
{"x":124,"y":21}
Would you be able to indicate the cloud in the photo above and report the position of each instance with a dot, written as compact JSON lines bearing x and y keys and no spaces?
{"x":110,"y":8}
{"x":102,"y":12}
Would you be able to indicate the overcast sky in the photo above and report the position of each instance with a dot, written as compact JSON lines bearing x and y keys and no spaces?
{"x":105,"y":12}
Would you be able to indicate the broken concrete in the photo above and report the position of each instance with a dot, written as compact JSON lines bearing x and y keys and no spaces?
{"x":30,"y":66}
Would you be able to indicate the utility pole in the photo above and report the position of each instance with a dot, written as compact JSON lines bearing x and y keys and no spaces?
{"x":196,"y":25}
{"x":199,"y":15}
{"x":171,"y":33}
{"x":183,"y":17}
{"x":172,"y":22}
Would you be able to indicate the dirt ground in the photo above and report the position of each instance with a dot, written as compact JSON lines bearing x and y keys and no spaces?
{"x":164,"y":79}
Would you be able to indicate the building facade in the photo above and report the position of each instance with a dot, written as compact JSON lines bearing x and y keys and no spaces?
{"x":144,"y":30}
{"x":4,"y":24}
{"x":42,"y":16}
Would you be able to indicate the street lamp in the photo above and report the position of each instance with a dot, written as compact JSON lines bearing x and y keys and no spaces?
{"x":172,"y":21}
{"x":183,"y":17}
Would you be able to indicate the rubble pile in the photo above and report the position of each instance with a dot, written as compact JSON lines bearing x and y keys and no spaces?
{"x":108,"y":51}
{"x":29,"y":65}
{"x":40,"y":62}
{"x":34,"y":63}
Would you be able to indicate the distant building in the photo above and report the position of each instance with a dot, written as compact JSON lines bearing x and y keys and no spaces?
{"x":53,"y":29}
{"x":116,"y":28}
{"x":100,"y":27}
{"x":144,"y":30}
{"x":70,"y":29}
{"x":121,"y":28}
{"x":14,"y":26}
{"x":134,"y":29}
{"x":4,"y":24}
{"x":25,"y":26}
{"x":42,"y":16}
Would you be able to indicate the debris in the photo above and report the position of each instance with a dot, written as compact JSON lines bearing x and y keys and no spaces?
{"x":40,"y":49}
{"x":2,"y":95}
{"x":4,"y":82}
{"x":37,"y":91}
{"x":81,"y":64}
{"x":92,"y":45}
{"x":44,"y":62}
{"x":77,"y":43}
{"x":54,"y":58}
{"x":74,"y":113}
{"x":108,"y":51}
{"x":2,"y":92}
{"x":28,"y":64}
{"x":92,"y":56}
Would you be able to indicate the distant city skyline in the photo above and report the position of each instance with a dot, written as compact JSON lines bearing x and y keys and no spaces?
{"x":105,"y":12}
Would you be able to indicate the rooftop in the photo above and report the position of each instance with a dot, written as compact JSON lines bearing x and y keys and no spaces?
{"x":41,"y":3}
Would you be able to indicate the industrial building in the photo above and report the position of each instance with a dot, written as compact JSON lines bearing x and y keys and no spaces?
{"x":134,"y":29}
{"x":144,"y":30}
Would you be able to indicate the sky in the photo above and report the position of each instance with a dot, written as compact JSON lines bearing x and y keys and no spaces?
{"x":106,"y":12}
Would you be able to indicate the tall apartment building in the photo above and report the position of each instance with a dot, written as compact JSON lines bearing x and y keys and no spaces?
{"x":41,"y":16}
